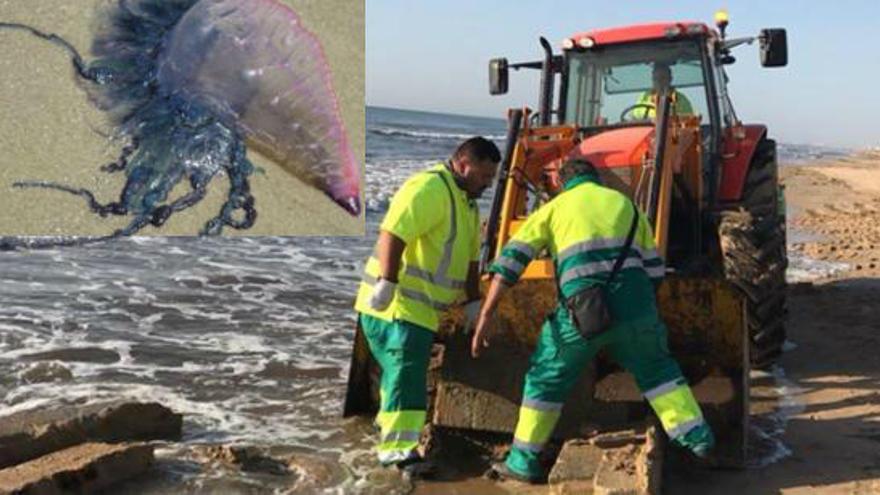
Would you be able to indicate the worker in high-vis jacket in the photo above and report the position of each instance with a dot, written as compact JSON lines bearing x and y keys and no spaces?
{"x":425,"y":260}
{"x":661,"y":77}
{"x":585,"y":229}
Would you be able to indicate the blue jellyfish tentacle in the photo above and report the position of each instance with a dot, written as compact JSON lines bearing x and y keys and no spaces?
{"x":96,"y":75}
{"x":121,"y":163}
{"x":163,"y":212}
{"x":238,"y":169}
{"x":114,"y":208}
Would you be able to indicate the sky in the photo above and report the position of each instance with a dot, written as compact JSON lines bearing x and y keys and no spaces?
{"x":433,"y":55}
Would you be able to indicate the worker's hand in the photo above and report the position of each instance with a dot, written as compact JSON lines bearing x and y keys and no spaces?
{"x":482,"y":334}
{"x":471,"y":312}
{"x":382,"y":294}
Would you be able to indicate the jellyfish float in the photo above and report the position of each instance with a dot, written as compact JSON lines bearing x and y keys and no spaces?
{"x":188,"y":85}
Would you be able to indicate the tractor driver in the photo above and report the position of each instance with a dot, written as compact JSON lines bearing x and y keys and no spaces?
{"x":662,"y":79}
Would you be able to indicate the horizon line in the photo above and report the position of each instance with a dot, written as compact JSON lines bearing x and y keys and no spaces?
{"x":367,"y":105}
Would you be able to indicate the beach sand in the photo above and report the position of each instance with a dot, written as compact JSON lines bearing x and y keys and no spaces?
{"x":49,"y":131}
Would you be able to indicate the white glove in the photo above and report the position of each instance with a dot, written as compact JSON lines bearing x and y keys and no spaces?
{"x":382,"y":294}
{"x":471,"y":312}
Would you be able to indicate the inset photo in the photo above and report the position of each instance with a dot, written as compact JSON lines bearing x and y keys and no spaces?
{"x":180,"y":117}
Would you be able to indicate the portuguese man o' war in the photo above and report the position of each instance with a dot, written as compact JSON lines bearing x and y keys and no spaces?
{"x":186,"y":83}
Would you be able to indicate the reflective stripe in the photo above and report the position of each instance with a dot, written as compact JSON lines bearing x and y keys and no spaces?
{"x":522,"y":247}
{"x":439,"y":279}
{"x":661,"y":389}
{"x":398,"y":436}
{"x":595,"y":267}
{"x":541,"y":405}
{"x":604,"y":243}
{"x":403,"y":420}
{"x":423,"y":298}
{"x":511,"y":264}
{"x":401,"y":431}
{"x":529,"y":446}
{"x":648,"y":254}
{"x":656,"y":271}
{"x":683,"y":428}
{"x":446,"y":258}
{"x":395,"y":456}
{"x":409,"y":294}
{"x":535,"y":425}
{"x":676,"y":407}
{"x":442,"y":281}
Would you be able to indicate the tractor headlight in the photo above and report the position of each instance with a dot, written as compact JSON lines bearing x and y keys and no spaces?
{"x":673,"y":32}
{"x":586,"y":42}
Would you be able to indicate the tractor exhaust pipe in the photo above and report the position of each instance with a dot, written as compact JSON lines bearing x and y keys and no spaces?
{"x":546,"y":83}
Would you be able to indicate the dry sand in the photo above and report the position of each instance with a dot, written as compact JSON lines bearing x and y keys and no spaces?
{"x":48,"y":131}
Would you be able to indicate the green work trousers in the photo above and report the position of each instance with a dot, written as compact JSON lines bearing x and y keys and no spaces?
{"x":560,"y":357}
{"x":402,"y":350}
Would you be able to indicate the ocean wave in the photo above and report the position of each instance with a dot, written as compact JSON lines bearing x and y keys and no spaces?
{"x":386,"y":176}
{"x":429,"y":135}
{"x":804,"y":153}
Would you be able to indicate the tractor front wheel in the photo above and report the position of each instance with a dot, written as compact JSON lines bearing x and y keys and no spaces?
{"x":753,"y":246}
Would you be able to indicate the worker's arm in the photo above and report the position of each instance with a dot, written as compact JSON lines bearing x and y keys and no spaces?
{"x":516,"y":255}
{"x":482,"y":333}
{"x":389,"y":250}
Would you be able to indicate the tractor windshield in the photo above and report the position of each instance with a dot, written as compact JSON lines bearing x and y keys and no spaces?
{"x":616,"y":84}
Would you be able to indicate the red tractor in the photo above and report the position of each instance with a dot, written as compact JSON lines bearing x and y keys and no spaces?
{"x":650,"y":101}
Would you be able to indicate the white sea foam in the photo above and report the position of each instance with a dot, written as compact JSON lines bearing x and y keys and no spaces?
{"x":803,"y":269}
{"x":767,"y":430}
{"x":430,"y":135}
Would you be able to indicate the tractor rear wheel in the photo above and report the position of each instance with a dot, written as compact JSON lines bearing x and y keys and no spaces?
{"x":753,"y":247}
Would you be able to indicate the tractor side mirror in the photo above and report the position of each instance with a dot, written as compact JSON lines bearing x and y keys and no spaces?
{"x":774,"y":47}
{"x":498,"y":72}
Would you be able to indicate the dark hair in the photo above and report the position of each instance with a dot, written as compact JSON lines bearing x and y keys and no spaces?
{"x":478,"y":149}
{"x":660,"y":66}
{"x":574,"y":167}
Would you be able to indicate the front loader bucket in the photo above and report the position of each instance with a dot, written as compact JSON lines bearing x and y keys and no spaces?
{"x":707,"y":334}
{"x":362,"y":394}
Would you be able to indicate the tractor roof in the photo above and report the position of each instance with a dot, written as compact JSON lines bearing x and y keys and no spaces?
{"x":644,"y":32}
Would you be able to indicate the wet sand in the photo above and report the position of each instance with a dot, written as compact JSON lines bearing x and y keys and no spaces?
{"x":49,"y":131}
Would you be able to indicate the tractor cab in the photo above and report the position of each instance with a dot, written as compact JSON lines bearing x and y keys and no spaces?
{"x":619,"y":86}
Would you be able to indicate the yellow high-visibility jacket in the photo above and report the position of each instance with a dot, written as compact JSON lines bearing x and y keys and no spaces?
{"x":441,"y":228}
{"x":584,"y":229}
